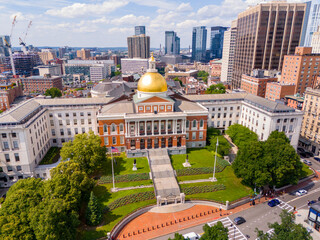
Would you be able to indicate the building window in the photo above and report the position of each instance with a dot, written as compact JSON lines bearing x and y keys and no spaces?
{"x":15,"y":145}
{"x":67,"y":114}
{"x":69,"y":131}
{"x":68,"y":121}
{"x":76,"y":130}
{"x":5,"y":146}
{"x":59,"y":115}
{"x":60,"y":122}
{"x":122,"y":140}
{"x":194,"y":123}
{"x":14,"y":135}
{"x":89,"y":121}
{"x":82,"y":121}
{"x":148,"y":108}
{"x":50,"y":115}
{"x":75,"y":121}
{"x":187,"y":136}
{"x":113,"y":127}
{"x":169,"y":107}
{"x":53,"y":132}
{"x":16,"y":156}
{"x":187,"y":124}
{"x":200,"y":135}
{"x":81,"y":114}
{"x":121,"y":127}
{"x":7,"y":157}
{"x":106,"y":141}
{"x":61,"y":132}
{"x":140,"y":108}
{"x":4,"y":135}
{"x":201,"y":123}
{"x":105,"y":128}
{"x":114,"y":140}
{"x":194,"y":135}
{"x":9,"y":168}
{"x":89,"y":114}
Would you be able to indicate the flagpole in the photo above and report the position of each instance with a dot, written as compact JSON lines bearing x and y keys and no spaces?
{"x":114,"y":188}
{"x":215,"y":161}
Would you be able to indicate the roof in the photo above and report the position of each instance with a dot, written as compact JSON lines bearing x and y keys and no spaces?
{"x":120,"y":107}
{"x":297,"y":98}
{"x":186,"y":106}
{"x":316,"y":207}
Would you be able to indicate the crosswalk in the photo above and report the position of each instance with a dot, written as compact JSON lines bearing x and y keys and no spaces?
{"x":234,"y":232}
{"x":285,"y":206}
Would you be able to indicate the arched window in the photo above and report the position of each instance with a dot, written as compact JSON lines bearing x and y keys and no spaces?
{"x":194,"y":123}
{"x":105,"y":128}
{"x":121,"y":127}
{"x":201,"y":123}
{"x":113,"y":127}
{"x":187,"y":124}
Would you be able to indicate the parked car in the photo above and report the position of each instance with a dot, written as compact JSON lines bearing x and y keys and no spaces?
{"x":317,"y":159}
{"x":309,"y":154}
{"x":302,"y":154}
{"x":191,"y":236}
{"x":273,"y":202}
{"x":307,"y":162}
{"x":300,"y":149}
{"x":311,"y":202}
{"x":301,"y":192}
{"x":239,"y":220}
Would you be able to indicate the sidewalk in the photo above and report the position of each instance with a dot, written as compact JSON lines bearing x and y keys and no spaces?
{"x":150,"y":225}
{"x":301,"y":215}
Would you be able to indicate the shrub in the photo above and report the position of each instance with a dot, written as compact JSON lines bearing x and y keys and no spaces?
{"x":202,"y":170}
{"x":202,"y":189}
{"x":124,"y":178}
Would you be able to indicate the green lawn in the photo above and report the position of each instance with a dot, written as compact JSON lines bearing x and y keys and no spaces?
{"x":52,"y":156}
{"x":197,"y":158}
{"x":123,"y":165}
{"x":306,"y":171}
{"x":105,"y":196}
{"x":234,"y":188}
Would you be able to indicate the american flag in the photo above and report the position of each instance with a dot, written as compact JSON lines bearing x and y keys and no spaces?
{"x":113,"y":149}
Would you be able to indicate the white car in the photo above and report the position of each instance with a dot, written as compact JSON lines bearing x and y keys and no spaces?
{"x":301,"y":192}
{"x":191,"y":236}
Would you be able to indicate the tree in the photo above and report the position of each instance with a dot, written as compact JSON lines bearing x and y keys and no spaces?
{"x":177,"y":236}
{"x":86,"y":150}
{"x":116,"y":73}
{"x":218,"y":88}
{"x":15,"y":212}
{"x":53,"y":92}
{"x":178,"y":79}
{"x":216,"y":232}
{"x":286,"y":230}
{"x":212,"y":132}
{"x":118,"y":66}
{"x":241,"y":135}
{"x":203,"y":75}
{"x":94,"y":211}
{"x":224,"y":146}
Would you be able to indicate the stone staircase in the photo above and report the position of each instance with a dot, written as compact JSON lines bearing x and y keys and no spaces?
{"x":165,"y":184}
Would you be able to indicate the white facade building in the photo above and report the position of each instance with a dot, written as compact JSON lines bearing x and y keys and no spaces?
{"x":229,"y":44}
{"x":315,"y":42}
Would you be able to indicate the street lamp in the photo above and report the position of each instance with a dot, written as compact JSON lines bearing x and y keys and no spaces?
{"x":215,"y":162}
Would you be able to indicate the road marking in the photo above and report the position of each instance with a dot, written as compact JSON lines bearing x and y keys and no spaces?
{"x":284,"y":205}
{"x":234,"y":232}
{"x":270,"y":232}
{"x":313,"y":191}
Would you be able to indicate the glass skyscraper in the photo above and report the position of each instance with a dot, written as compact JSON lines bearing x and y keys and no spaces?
{"x":313,"y":22}
{"x":216,"y":41}
{"x":3,"y":49}
{"x":172,"y":44}
{"x":199,"y":43}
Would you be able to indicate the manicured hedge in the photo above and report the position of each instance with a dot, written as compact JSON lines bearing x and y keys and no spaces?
{"x":124,"y":178}
{"x":202,"y":189}
{"x":132,"y":198}
{"x":197,"y":171}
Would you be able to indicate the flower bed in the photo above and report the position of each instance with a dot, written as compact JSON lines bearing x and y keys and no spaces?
{"x":132,"y":198}
{"x":202,"y":189}
{"x":124,"y":178}
{"x":197,"y":171}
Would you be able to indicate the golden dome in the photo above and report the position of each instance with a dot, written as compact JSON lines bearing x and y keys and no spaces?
{"x":152,"y":82}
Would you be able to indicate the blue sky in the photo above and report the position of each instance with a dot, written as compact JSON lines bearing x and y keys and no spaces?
{"x":107,"y":23}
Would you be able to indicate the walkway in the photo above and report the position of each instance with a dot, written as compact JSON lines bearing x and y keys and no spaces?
{"x":165,"y":183}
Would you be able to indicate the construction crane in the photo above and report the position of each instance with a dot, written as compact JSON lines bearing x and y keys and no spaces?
{"x":23,"y":42}
{"x":8,"y":45}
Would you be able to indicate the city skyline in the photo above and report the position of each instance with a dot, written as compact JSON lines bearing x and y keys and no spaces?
{"x":109,"y":23}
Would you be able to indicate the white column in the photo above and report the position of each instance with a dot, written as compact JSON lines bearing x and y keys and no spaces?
{"x":145,"y":128}
{"x":152,"y":130}
{"x":167,"y":126}
{"x":127,"y":129}
{"x":159,"y":127}
{"x":138,"y":128}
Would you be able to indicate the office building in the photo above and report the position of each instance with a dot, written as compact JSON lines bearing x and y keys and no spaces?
{"x":138,"y":30}
{"x":312,"y":20}
{"x":83,"y":54}
{"x":3,"y":49}
{"x":216,"y":41}
{"x":10,"y":89}
{"x":300,"y":69}
{"x":215,"y":68}
{"x":47,"y":54}
{"x":229,"y":43}
{"x":24,"y":63}
{"x":310,"y":138}
{"x":256,"y":83}
{"x":172,"y":43}
{"x":40,"y":84}
{"x":199,"y":43}
{"x":294,"y":101}
{"x":277,"y":90}
{"x":265,"y":34}
{"x":52,"y":69}
{"x":134,"y":65}
{"x":315,"y":42}
{"x":139,"y":46}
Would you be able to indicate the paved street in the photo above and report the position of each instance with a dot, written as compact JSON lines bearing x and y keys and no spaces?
{"x":261,"y":214}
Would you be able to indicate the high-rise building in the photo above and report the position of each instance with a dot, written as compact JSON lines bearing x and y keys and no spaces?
{"x":84,"y":54}
{"x":315,"y":42}
{"x":199,"y":43}
{"x":47,"y":54}
{"x":172,"y":46}
{"x":138,"y":46}
{"x":138,"y":30}
{"x":216,"y":41}
{"x":312,"y":20}
{"x":3,"y":49}
{"x":265,"y":34}
{"x":300,"y":69}
{"x":229,"y":43}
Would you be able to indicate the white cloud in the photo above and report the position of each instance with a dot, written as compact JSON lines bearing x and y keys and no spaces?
{"x":120,"y":30}
{"x":131,"y":20}
{"x":156,"y":3}
{"x":184,"y":7}
{"x":82,"y":9}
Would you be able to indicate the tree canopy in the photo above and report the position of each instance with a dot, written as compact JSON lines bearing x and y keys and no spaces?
{"x":218,"y":88}
{"x":177,"y":236}
{"x":216,"y":232}
{"x":224,"y":146}
{"x":94,"y":211}
{"x":286,"y":230}
{"x":53,"y":92}
{"x":273,"y":162}
{"x":86,"y":150}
